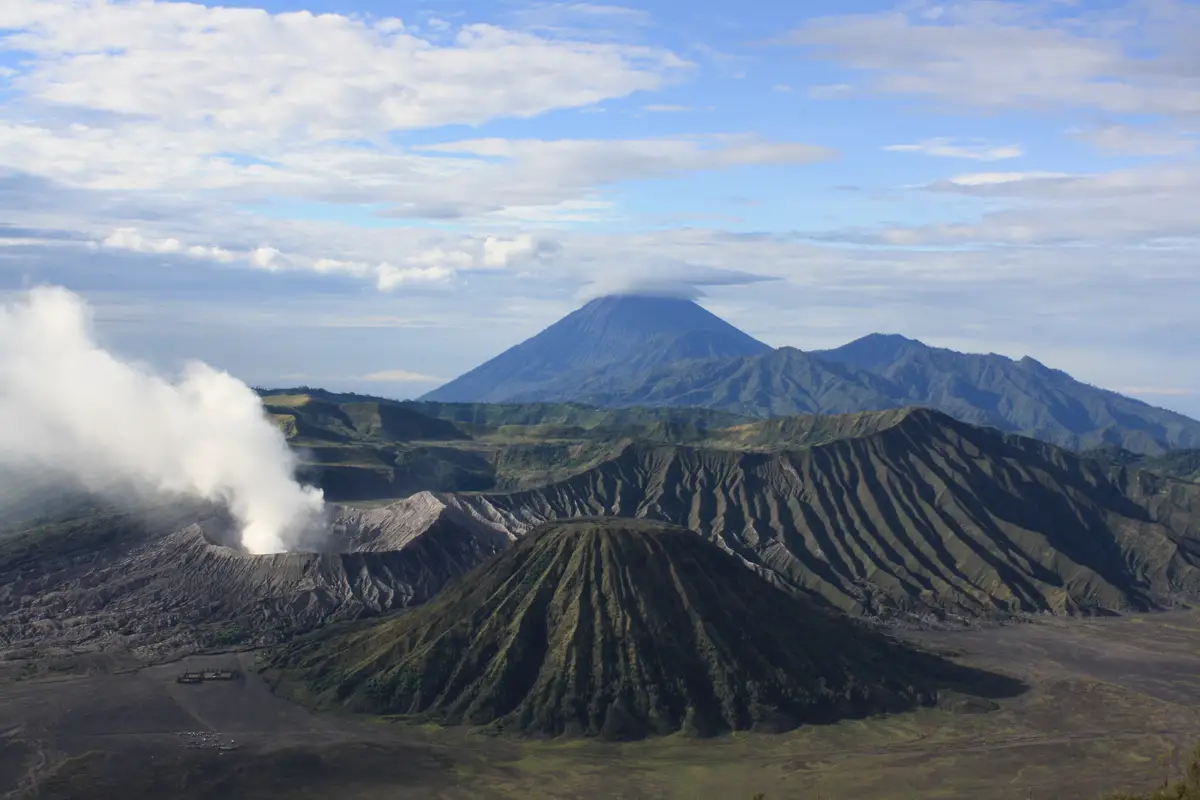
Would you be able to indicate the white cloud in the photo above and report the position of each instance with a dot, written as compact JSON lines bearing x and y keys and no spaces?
{"x":428,"y":264}
{"x":130,"y":239}
{"x":1017,"y":55}
{"x":951,"y":148}
{"x":996,"y":178}
{"x":264,"y":257}
{"x":1149,"y":206}
{"x":420,"y":182}
{"x":1177,"y":182}
{"x":591,"y":161}
{"x":1129,"y":140}
{"x":400,"y":376}
{"x":227,"y":107}
{"x":244,"y":105}
{"x":391,"y":277}
{"x":592,"y":21}
{"x":500,"y":252}
{"x":242,"y":74}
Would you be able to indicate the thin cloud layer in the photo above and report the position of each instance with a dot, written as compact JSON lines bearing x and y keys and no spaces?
{"x":985,"y":53}
{"x":945,"y":147}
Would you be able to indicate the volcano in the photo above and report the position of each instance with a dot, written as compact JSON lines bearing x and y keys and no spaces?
{"x":619,"y":628}
{"x":632,"y":332}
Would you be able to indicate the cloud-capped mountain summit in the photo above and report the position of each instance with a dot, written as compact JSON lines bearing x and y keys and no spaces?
{"x":649,"y":351}
{"x":631,"y":333}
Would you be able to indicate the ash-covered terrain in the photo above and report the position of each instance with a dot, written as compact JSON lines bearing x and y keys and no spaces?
{"x":905,"y":517}
{"x":155,"y":593}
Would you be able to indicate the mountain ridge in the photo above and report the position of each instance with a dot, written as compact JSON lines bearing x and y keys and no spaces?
{"x":631,"y":332}
{"x":927,"y":517}
{"x":874,"y":372}
{"x":615,"y":628}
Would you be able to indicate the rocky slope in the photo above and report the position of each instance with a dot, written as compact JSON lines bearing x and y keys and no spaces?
{"x":157,"y":595}
{"x":618,"y":628}
{"x":922,"y":517}
{"x":906,"y":516}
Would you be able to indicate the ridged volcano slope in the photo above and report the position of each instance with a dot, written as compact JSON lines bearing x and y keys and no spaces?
{"x":619,"y":628}
{"x":927,"y":515}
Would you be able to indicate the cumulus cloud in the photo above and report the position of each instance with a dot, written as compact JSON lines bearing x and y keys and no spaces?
{"x":131,"y":239}
{"x":243,"y":104}
{"x":161,"y":105}
{"x":428,"y":264}
{"x":951,"y":148}
{"x":69,"y":407}
{"x":244,"y":73}
{"x":502,"y":252}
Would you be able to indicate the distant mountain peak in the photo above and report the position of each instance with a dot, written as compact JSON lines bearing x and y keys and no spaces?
{"x":622,"y":331}
{"x":892,"y":338}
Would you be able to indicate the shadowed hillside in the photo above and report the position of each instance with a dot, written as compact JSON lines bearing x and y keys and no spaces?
{"x":926,"y":515}
{"x":1182,"y":464}
{"x":357,"y":447}
{"x":618,"y":628}
{"x":1014,"y":396}
{"x":777,"y":383}
{"x":1021,"y":396}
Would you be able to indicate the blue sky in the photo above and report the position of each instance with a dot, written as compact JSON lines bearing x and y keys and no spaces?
{"x":377,"y":196}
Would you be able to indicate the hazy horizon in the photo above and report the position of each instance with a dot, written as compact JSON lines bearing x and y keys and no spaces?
{"x":378,"y":198}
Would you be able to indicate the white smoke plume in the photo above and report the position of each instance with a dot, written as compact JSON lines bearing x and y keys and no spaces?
{"x":69,"y":406}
